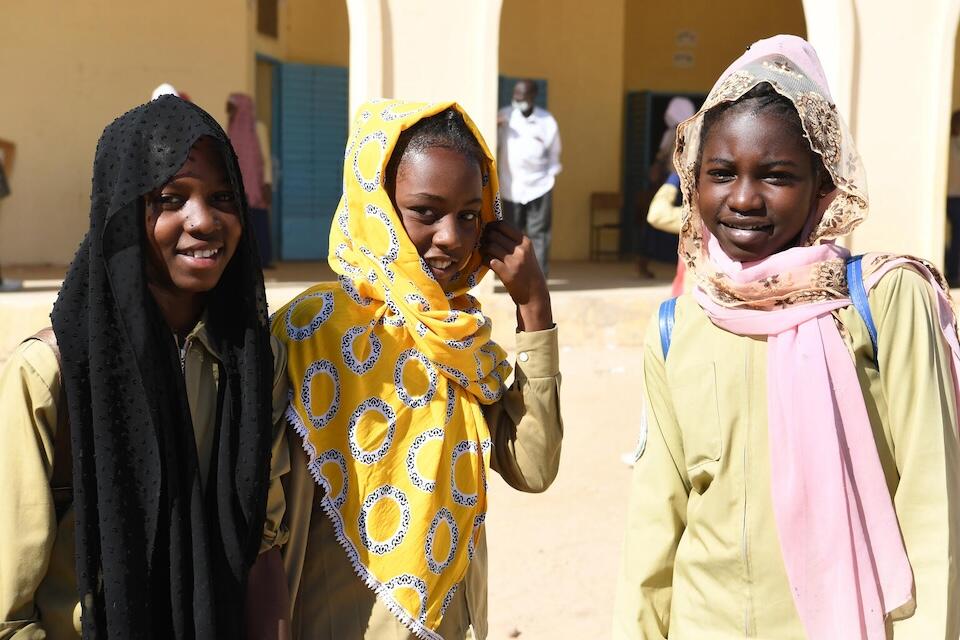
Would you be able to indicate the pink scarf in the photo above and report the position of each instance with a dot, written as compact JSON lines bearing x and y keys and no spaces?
{"x":243,"y":136}
{"x":838,"y":530}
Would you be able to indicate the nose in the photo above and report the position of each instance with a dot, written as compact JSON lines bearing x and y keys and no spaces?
{"x":201,"y":218}
{"x":447,"y":234}
{"x":745,"y":196}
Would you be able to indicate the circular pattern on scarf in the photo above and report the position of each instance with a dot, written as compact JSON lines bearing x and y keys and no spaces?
{"x":302,"y":333}
{"x":427,"y":270}
{"x":489,"y":392}
{"x":475,"y":535}
{"x":412,"y":401}
{"x":393,"y":317}
{"x":344,"y":263}
{"x":384,"y":492}
{"x":372,"y":184}
{"x":351,"y":290}
{"x":320,"y":367}
{"x":343,"y":218}
{"x":416,"y":298}
{"x":418,"y":480}
{"x":460,"y":344}
{"x":448,"y":600}
{"x":461,"y":497}
{"x":353,"y":363}
{"x":497,"y":207}
{"x":389,"y":115}
{"x":360,"y":454}
{"x":393,"y":248}
{"x":458,"y":376}
{"x":336,"y":458}
{"x":407,"y":581}
{"x":443,"y":515}
{"x":451,"y":401}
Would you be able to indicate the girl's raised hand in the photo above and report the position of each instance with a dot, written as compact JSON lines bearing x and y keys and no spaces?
{"x":510,"y":255}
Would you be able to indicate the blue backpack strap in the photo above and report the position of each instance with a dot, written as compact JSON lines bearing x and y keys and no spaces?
{"x":668,"y":310}
{"x":858,"y":296}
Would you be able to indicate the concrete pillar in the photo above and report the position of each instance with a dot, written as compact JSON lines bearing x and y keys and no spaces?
{"x":902,"y":84}
{"x":832,"y":30}
{"x":427,"y":50}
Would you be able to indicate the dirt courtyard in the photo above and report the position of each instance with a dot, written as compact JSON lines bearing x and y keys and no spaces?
{"x":554,"y":556}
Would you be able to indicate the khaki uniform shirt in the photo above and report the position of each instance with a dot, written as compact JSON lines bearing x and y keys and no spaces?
{"x":331,"y":603}
{"x":38,"y":590}
{"x":702,"y":557}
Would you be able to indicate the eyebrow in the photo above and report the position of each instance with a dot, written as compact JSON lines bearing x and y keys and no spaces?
{"x":436,"y":198}
{"x":765,"y":164}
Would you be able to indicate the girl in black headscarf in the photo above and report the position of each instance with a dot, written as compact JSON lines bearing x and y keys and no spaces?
{"x":168,"y":381}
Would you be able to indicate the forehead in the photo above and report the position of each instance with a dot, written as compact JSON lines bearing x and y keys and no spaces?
{"x":206,"y":154}
{"x":746,"y":131}
{"x":437,"y":168}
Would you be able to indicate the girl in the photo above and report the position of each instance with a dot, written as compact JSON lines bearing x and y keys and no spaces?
{"x":799,"y":479}
{"x":136,"y":447}
{"x":398,"y":394}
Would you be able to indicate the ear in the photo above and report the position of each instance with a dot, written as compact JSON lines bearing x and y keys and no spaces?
{"x":825,"y":183}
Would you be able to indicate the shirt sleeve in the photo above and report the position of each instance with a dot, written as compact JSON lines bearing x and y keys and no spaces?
{"x":525,"y":424}
{"x":916,"y":379}
{"x":553,"y":152}
{"x":656,"y":515}
{"x":275,"y":532}
{"x":29,"y":388}
{"x":662,"y":214}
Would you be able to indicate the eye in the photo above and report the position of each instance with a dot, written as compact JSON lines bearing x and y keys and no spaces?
{"x":425,"y":214}
{"x":169,"y":201}
{"x":721,"y":175}
{"x":469,"y":216}
{"x":224,"y":200}
{"x":780,"y":178}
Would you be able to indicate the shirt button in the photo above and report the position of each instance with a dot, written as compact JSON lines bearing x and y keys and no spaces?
{"x":523,"y":356}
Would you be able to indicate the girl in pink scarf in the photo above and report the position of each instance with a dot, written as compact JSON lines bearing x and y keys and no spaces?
{"x":859,"y":478}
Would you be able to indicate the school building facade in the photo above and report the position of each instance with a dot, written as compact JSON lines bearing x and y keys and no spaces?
{"x":607,"y":68}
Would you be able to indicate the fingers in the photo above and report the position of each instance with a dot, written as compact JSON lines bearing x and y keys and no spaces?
{"x":505,"y":229}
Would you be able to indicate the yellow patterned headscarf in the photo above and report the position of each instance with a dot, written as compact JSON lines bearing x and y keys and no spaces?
{"x":388,"y":372}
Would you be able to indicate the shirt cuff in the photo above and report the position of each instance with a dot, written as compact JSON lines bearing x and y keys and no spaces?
{"x":538,"y":353}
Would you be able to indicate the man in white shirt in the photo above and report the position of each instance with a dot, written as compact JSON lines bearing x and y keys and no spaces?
{"x":528,"y":154}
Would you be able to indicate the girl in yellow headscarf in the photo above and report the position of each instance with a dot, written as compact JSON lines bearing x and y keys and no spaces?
{"x":399,"y":395}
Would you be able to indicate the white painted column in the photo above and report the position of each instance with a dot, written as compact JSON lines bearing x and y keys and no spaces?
{"x":427,"y":50}
{"x":832,"y":30}
{"x":902,"y":98}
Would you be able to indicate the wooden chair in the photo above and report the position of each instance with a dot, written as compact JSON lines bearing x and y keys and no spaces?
{"x":605,"y":217}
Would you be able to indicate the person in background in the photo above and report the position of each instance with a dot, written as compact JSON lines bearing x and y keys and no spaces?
{"x":952,"y":262}
{"x":250,"y":139}
{"x":528,"y":154}
{"x":8,"y":151}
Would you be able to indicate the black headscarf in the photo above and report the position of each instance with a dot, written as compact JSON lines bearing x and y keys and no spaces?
{"x":157,"y":557}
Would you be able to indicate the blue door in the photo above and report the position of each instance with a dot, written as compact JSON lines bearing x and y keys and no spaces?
{"x":310,"y":119}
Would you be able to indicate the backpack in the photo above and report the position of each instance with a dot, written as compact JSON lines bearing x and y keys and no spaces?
{"x":858,"y":296}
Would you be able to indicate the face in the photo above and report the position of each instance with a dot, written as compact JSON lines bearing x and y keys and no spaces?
{"x":526,"y":93}
{"x":193,"y":225}
{"x":439,"y":194}
{"x":757,"y":185}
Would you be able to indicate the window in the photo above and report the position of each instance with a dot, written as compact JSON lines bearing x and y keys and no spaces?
{"x":268,"y":17}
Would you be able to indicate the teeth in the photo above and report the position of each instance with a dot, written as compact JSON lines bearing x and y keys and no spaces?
{"x":441,"y":264}
{"x":202,"y":253}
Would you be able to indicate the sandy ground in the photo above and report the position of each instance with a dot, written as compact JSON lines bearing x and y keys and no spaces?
{"x":554,"y":556}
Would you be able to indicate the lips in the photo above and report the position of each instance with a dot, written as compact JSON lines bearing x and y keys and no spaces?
{"x":201,"y":257}
{"x":442,"y":267}
{"x":745,"y":225}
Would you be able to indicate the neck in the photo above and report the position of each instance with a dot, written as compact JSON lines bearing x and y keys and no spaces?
{"x":180,"y":310}
{"x":527,"y":114}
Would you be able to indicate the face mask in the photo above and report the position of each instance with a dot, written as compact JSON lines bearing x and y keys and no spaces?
{"x":521,"y":105}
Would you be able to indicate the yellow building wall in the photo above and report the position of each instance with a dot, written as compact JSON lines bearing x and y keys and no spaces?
{"x":317,"y":31}
{"x":578,"y":48}
{"x":69,"y":69}
{"x":718,"y":38}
